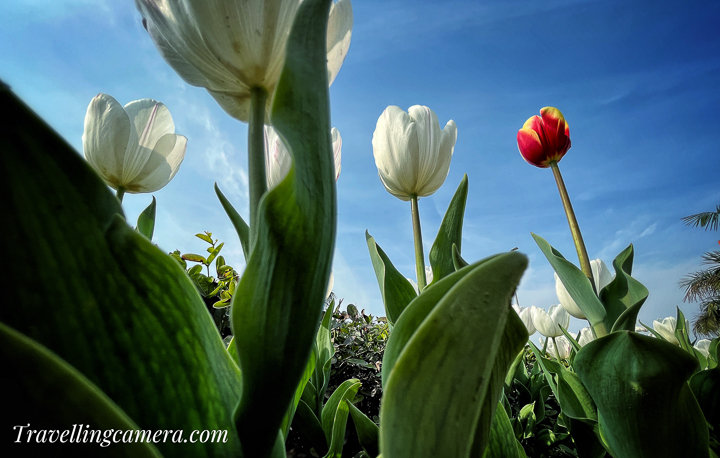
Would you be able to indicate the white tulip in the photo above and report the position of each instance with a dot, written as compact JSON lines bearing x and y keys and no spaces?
{"x":666,"y":328}
{"x":232,"y":46}
{"x":428,"y":279}
{"x":703,"y":346}
{"x":564,"y":347}
{"x":278,"y":160}
{"x":411,"y":153}
{"x":331,"y":283}
{"x":586,"y":336}
{"x":547,"y":323}
{"x":526,"y":316}
{"x":601,"y":276}
{"x":134,"y":148}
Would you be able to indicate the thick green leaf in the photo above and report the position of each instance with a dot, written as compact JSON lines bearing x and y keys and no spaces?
{"x":310,"y":428}
{"x":502,"y":443}
{"x":449,"y":234}
{"x":338,"y":430}
{"x":645,"y":406}
{"x":395,"y":289}
{"x":415,"y":314}
{"x":623,"y":296}
{"x":146,"y":220}
{"x":277,"y":305}
{"x":577,"y":285}
{"x":573,"y":397}
{"x":49,"y":394}
{"x":304,"y":381}
{"x":705,"y":385}
{"x":104,"y":298}
{"x":346,"y":391}
{"x":237,"y":221}
{"x":367,"y":431}
{"x":325,"y":351}
{"x":448,"y":364}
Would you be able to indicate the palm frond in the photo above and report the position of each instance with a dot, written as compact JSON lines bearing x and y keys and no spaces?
{"x":707,"y":322}
{"x":708,"y":220}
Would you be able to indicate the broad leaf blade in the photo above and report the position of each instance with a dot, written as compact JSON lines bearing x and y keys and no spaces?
{"x":447,"y":364}
{"x":623,"y":296}
{"x":346,"y":391}
{"x":502,"y":442}
{"x":48,"y":393}
{"x":277,"y":305}
{"x":105,"y":299}
{"x":449,"y":234}
{"x":577,"y":285}
{"x":395,"y":289}
{"x":146,"y":220}
{"x":645,"y":406}
{"x":367,"y":431}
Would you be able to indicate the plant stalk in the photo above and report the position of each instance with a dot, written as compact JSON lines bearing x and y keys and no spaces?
{"x":256,"y":155}
{"x":419,"y":256}
{"x":557,"y":352}
{"x":574,"y":227}
{"x":120,"y":193}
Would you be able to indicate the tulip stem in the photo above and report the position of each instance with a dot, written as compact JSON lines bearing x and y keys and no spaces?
{"x":256,"y":155}
{"x":419,"y":256}
{"x":120,"y":193}
{"x":574,"y":227}
{"x":557,"y":352}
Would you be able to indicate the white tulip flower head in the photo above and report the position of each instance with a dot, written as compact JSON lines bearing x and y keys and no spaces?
{"x":134,"y":148}
{"x":601,"y":276}
{"x":547,"y":323}
{"x":411,"y":153}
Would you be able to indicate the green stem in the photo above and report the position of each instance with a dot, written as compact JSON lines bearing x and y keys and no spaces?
{"x":419,"y":256}
{"x":256,"y":155}
{"x":120,"y":193}
{"x":574,"y":227}
{"x":545,"y":346}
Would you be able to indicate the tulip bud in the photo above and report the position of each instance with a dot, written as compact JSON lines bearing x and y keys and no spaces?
{"x":525,"y":315}
{"x":547,"y":323}
{"x":134,"y":148}
{"x":411,"y":153}
{"x":666,"y":328}
{"x":601,"y":276}
{"x":544,"y":139}
{"x":563,"y":349}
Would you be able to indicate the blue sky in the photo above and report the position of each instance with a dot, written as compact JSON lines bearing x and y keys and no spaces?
{"x":636,"y":81}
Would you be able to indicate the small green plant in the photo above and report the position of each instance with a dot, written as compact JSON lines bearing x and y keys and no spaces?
{"x":216,"y":291}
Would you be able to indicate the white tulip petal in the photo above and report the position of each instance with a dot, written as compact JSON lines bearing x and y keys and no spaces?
{"x":703,"y":346}
{"x":339,"y":33}
{"x":331,"y":283}
{"x":149,"y":121}
{"x":586,"y":336}
{"x":163,"y":164}
{"x":105,"y":138}
{"x":547,"y":323}
{"x":395,"y":150}
{"x":601,"y":276}
{"x":525,"y":315}
{"x":666,"y":328}
{"x":428,"y":134}
{"x":277,"y":158}
{"x":337,"y":150}
{"x":444,"y":156}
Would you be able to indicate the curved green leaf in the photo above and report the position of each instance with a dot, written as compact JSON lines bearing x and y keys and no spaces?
{"x":705,"y":385}
{"x":449,"y":234}
{"x":237,"y":221}
{"x":448,"y":364}
{"x":645,"y":406}
{"x":502,"y":442}
{"x":395,"y":289}
{"x":367,"y":431}
{"x":577,"y":285}
{"x":104,"y":298}
{"x":146,"y":220}
{"x":624,"y":295}
{"x":338,"y":430}
{"x":458,"y":261}
{"x":325,"y":351}
{"x":346,"y":391}
{"x":277,"y":305}
{"x":415,"y":314}
{"x":309,"y":426}
{"x":49,"y":394}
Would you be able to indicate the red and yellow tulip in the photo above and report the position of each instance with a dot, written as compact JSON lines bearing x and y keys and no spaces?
{"x":544,"y":139}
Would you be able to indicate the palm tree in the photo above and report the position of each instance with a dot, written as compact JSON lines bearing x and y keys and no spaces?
{"x":704,"y":286}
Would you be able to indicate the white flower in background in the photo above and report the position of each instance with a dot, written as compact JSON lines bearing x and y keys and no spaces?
{"x":564,"y":347}
{"x":703,"y":346}
{"x":411,"y":153}
{"x":278,"y":160}
{"x":547,"y":323}
{"x":525,"y":315}
{"x":641,"y":329}
{"x":666,"y":328}
{"x":231,"y":46}
{"x":601,"y":276}
{"x":586,"y":336}
{"x":331,"y":283}
{"x":134,"y":148}
{"x":428,"y":279}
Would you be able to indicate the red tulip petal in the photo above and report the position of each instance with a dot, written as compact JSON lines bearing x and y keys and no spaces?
{"x":531,"y":147}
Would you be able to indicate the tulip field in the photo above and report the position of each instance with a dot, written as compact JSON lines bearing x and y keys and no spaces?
{"x":114,"y":347}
